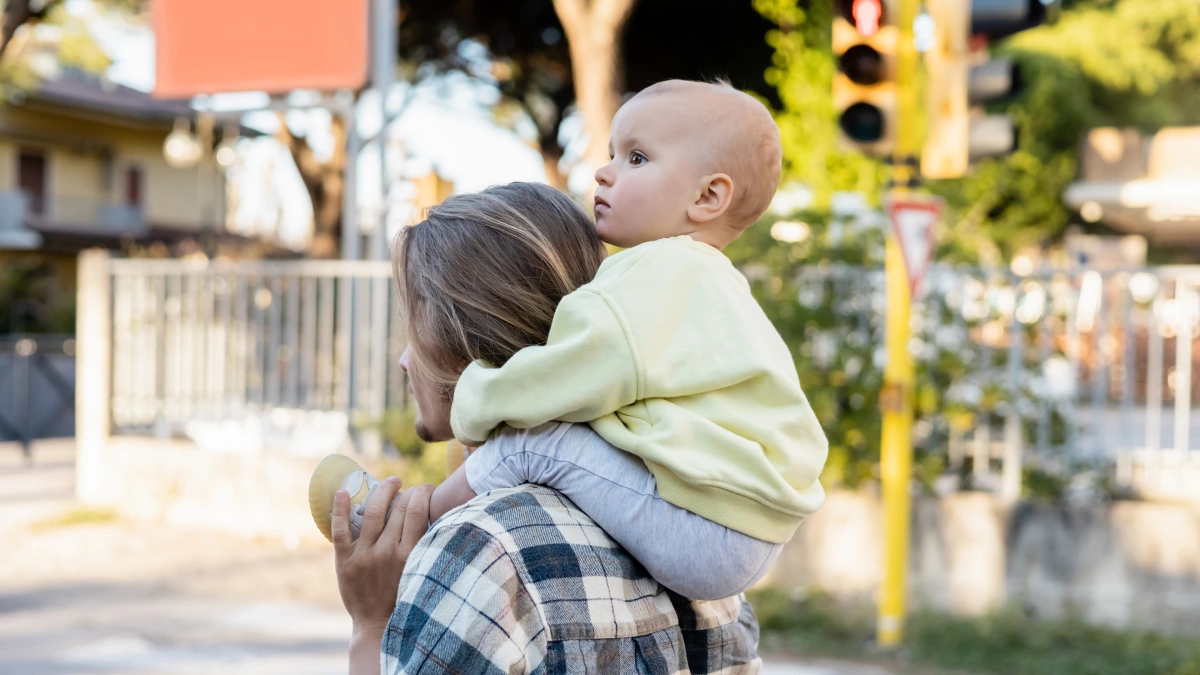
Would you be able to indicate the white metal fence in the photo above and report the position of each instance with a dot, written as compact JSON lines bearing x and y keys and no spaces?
{"x":193,"y":340}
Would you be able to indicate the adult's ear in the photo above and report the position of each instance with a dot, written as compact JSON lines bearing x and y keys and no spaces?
{"x":716,"y":194}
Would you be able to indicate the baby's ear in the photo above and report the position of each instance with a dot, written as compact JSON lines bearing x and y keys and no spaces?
{"x":716,"y":194}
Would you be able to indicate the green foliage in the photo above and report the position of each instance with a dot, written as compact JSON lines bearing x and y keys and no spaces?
{"x":1038,"y":483}
{"x":810,"y":623}
{"x":77,"y":48}
{"x":428,"y":466}
{"x":400,"y":429}
{"x":1010,"y":642}
{"x":1007,"y":642}
{"x":414,"y":460}
{"x":74,"y":516}
{"x":31,"y":299}
{"x":70,"y":42}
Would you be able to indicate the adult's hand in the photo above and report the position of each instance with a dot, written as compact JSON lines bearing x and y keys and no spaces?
{"x":369,"y":568}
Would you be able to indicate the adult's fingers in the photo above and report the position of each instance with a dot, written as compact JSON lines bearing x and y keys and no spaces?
{"x":377,"y":510}
{"x":340,"y":523}
{"x":395,"y":523}
{"x":416,"y":516}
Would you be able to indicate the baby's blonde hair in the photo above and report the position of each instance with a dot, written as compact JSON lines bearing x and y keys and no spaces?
{"x":742,"y":141}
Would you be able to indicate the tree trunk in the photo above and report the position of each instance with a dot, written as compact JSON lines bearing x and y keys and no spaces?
{"x":594,"y":29}
{"x":324,"y":184}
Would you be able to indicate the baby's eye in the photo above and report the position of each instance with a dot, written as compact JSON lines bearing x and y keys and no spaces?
{"x":636,"y":158}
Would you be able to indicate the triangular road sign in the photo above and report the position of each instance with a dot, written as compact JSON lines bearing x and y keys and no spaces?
{"x":914,"y":222}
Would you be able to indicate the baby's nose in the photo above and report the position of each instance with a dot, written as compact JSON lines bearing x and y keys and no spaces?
{"x":602,"y":175}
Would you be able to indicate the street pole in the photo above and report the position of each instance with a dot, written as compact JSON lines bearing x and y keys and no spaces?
{"x":374,"y":368}
{"x":383,"y":67}
{"x":896,"y":397}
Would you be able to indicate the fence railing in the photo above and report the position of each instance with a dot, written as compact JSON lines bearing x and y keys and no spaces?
{"x":1087,"y":367}
{"x":199,"y":341}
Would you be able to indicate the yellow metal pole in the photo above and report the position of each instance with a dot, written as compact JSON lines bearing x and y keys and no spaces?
{"x":897,"y":394}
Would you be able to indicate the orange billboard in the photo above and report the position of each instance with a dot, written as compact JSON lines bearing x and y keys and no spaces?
{"x":208,"y":46}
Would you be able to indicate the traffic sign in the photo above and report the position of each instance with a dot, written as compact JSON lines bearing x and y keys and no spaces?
{"x":914,"y":222}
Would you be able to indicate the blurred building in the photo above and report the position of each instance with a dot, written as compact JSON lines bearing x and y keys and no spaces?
{"x":1148,"y":185}
{"x":82,"y":164}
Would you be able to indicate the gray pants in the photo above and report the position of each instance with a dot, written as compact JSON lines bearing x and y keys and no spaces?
{"x":688,"y":554}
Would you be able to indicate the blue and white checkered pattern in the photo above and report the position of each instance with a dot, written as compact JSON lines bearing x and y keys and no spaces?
{"x":521,"y":581}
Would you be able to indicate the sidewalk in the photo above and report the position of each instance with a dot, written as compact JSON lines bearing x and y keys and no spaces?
{"x":115,"y":597}
{"x":120,"y":597}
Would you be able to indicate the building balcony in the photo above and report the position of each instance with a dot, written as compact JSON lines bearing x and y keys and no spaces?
{"x":83,"y":214}
{"x":25,"y":220}
{"x":13,"y":233}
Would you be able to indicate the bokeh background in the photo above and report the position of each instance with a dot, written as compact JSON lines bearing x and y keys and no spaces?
{"x":196,"y":305}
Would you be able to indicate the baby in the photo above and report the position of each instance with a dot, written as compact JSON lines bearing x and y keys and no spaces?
{"x":714,"y":452}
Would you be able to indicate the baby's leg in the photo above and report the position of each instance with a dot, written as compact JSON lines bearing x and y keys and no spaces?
{"x":690,"y":555}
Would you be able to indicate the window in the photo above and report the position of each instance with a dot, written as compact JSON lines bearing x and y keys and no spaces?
{"x":31,"y":172}
{"x":133,"y":186}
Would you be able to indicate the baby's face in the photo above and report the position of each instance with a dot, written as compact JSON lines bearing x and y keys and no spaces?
{"x":644,"y":192}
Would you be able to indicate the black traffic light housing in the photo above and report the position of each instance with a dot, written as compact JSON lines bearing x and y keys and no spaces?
{"x":864,"y":90}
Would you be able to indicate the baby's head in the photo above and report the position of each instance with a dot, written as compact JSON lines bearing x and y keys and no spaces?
{"x":687,"y":158}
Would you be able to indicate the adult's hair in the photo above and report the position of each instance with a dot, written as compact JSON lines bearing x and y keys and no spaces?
{"x":481,"y":276}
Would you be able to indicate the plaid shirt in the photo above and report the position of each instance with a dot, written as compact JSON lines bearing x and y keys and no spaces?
{"x":521,"y":581}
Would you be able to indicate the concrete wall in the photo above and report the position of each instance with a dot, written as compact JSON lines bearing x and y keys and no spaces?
{"x":1127,"y":565}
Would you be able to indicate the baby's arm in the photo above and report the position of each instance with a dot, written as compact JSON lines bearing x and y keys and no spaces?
{"x":452,"y":493}
{"x":586,"y":370}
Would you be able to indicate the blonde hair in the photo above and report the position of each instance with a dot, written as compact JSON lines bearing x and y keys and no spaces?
{"x":481,"y":276}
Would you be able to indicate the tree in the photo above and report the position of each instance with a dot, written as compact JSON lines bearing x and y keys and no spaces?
{"x":18,"y":13}
{"x":536,"y":71}
{"x":324,"y":181}
{"x":594,"y":29}
{"x":72,"y":44}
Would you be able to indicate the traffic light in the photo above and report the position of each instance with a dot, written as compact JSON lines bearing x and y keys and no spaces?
{"x":864,"y":88}
{"x":961,"y":80}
